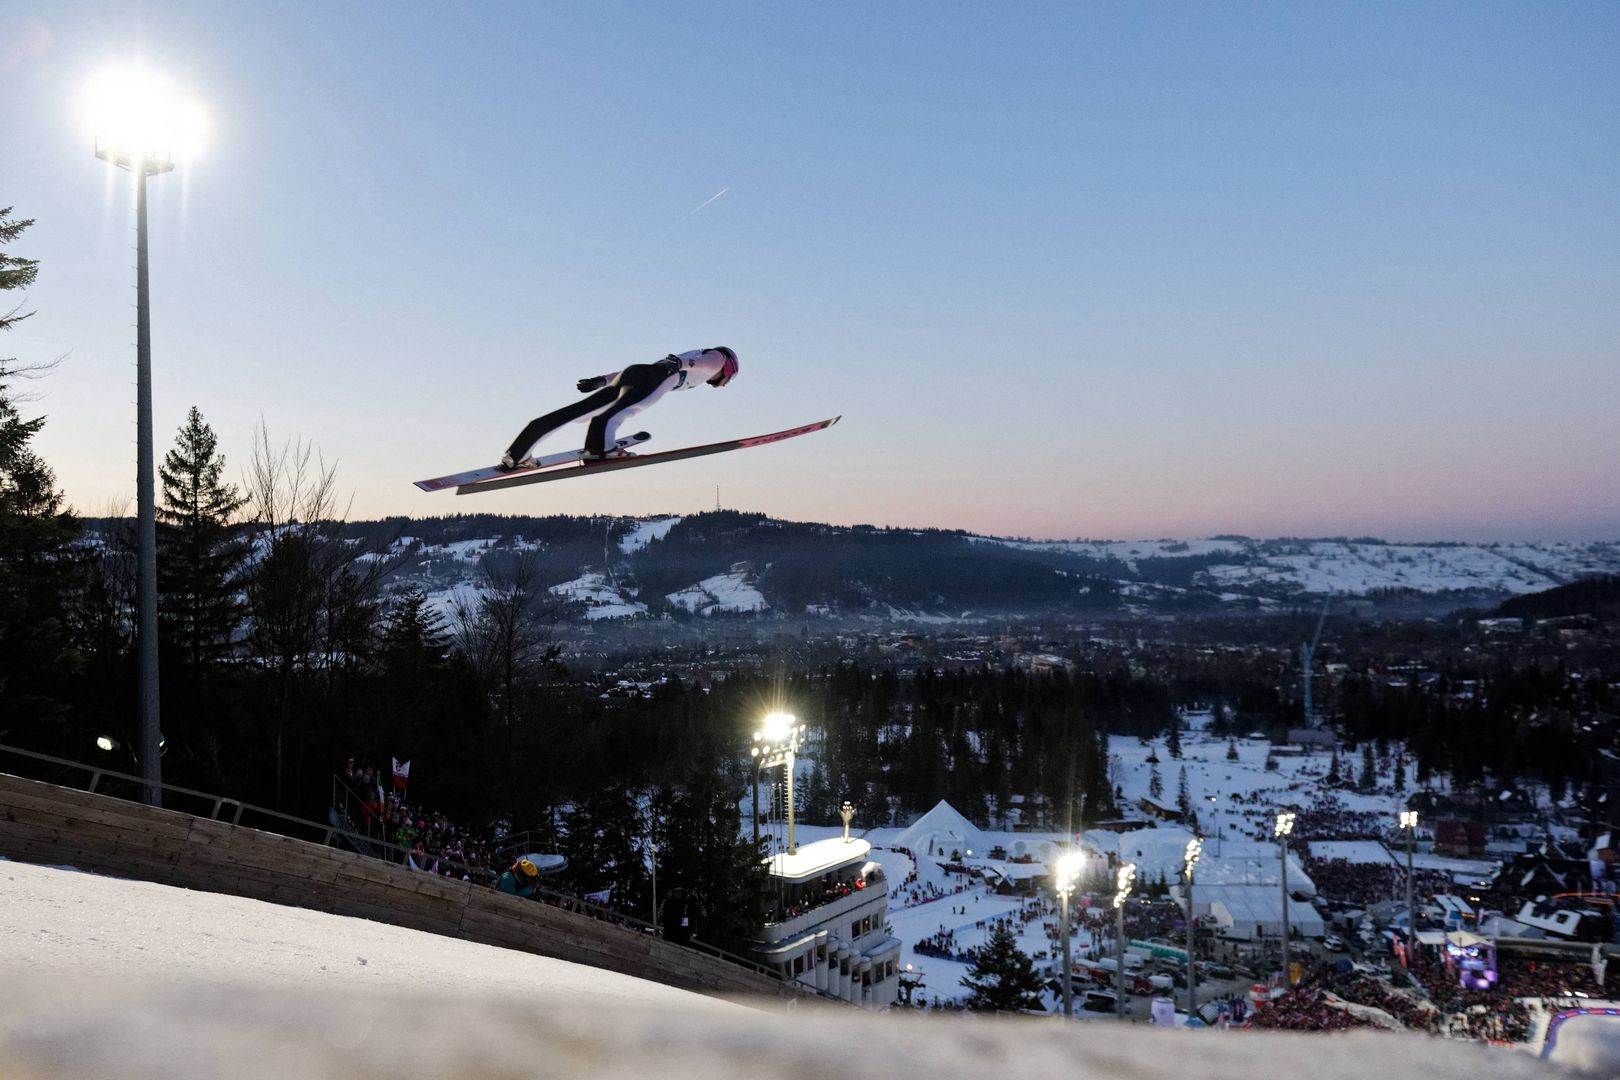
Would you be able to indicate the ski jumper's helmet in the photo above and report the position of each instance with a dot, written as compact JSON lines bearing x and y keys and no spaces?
{"x":727,"y":369}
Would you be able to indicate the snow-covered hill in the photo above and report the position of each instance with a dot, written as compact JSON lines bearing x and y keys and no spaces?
{"x":734,"y":564}
{"x":1357,"y":567}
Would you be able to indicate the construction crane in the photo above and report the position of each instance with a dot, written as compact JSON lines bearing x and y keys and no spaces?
{"x":1306,"y":652}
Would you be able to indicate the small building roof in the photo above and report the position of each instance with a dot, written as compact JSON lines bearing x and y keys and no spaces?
{"x":815,"y":859}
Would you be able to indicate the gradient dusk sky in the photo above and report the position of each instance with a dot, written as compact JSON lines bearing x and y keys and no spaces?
{"x":1067,"y":270}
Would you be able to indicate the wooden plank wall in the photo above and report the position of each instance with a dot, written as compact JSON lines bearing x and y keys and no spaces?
{"x":43,"y":823}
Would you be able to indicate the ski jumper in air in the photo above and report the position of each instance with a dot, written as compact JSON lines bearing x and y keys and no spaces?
{"x":621,"y":394}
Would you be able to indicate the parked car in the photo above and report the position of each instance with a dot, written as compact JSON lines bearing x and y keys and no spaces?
{"x":1333,"y":943}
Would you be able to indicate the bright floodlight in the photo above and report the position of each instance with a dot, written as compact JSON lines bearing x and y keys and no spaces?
{"x":778,"y":726}
{"x":139,"y":116}
{"x":1195,"y":847}
{"x":1285,"y":824}
{"x":1408,"y":819}
{"x":1068,"y":870}
{"x":1125,"y":878}
{"x":104,"y":742}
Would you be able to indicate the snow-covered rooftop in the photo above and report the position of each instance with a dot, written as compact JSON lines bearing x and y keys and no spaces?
{"x":818,"y":857}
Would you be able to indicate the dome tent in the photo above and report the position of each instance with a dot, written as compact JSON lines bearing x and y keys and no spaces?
{"x":942,"y":831}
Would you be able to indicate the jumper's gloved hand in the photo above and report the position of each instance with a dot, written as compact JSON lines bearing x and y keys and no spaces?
{"x":594,"y":383}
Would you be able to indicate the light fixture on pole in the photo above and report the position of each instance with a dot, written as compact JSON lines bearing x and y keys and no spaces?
{"x":777,"y":743}
{"x":652,"y":850}
{"x":1123,"y":882}
{"x":1409,"y":821}
{"x":1067,"y":875}
{"x":1195,"y":848}
{"x":140,"y":124}
{"x":1285,"y":825}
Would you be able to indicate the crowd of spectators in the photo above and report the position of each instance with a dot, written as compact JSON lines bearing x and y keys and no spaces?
{"x":1500,"y":1012}
{"x":431,"y":842}
{"x":1362,"y":989}
{"x":1363,"y":884}
{"x":1305,"y":1008}
{"x":942,"y":944}
{"x":836,"y":891}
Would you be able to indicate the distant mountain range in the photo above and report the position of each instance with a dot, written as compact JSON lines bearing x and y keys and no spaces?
{"x":747,"y":566}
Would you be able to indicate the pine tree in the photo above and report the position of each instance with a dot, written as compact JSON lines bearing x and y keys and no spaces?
{"x":1002,"y":978}
{"x":1334,"y":776}
{"x":605,"y":844}
{"x":1369,"y":768}
{"x":703,"y":853}
{"x":199,"y":554}
{"x":1155,"y":785}
{"x":1183,"y":795}
{"x":37,"y":570}
{"x":1231,"y":750}
{"x":1172,"y":742}
{"x":1400,"y":773}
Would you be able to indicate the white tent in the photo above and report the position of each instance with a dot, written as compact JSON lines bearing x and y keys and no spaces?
{"x":941,"y":832}
{"x":1250,"y":911}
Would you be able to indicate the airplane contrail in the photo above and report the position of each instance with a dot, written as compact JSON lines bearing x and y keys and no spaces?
{"x":706,"y":202}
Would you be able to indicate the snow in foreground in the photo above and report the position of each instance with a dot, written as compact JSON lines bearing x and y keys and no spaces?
{"x":104,"y":978}
{"x":61,"y":921}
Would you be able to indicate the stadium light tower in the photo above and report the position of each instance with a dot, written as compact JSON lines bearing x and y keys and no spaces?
{"x":1409,"y":820}
{"x":1126,"y":878}
{"x":1067,"y":875}
{"x":140,"y":124}
{"x":1195,"y":848}
{"x":1285,"y":825}
{"x":777,"y":743}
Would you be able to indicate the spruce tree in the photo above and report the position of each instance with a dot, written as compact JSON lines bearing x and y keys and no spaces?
{"x":703,"y":852}
{"x":1231,"y":750}
{"x":1002,"y":978}
{"x":37,"y":569}
{"x":199,"y":554}
{"x":1155,"y":785}
{"x":1183,"y":795}
{"x":605,"y":844}
{"x":1172,"y":742}
{"x":1369,"y":769}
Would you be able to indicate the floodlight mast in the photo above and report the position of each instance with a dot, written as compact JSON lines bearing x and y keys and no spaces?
{"x":141,"y":165}
{"x":1409,"y":820}
{"x":1125,"y":879}
{"x":1195,"y":848}
{"x":778,"y":744}
{"x":1068,"y":873}
{"x":1285,"y":825}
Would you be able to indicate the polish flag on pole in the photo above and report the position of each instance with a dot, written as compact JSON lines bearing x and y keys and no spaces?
{"x":402,"y":773}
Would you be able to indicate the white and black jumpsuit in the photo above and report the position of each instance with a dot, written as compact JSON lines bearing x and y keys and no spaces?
{"x":626,"y":393}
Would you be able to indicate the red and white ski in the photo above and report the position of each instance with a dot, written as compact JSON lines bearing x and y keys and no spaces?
{"x":592,"y":468}
{"x":549,"y":461}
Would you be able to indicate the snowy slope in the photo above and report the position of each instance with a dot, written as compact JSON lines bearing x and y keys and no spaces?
{"x":63,"y":921}
{"x":601,"y":599}
{"x":106,"y":979}
{"x":730,"y":592}
{"x":645,"y":532}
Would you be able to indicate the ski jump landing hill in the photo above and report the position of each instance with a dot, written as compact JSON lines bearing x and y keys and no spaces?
{"x":48,"y":824}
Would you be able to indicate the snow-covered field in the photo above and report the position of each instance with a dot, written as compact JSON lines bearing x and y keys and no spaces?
{"x":103,"y":978}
